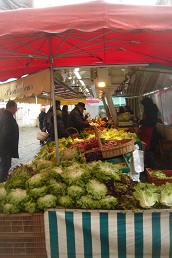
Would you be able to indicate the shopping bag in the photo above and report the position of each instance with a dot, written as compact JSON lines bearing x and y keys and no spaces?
{"x":42,"y":136}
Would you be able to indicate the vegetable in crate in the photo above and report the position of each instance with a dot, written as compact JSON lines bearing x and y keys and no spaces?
{"x":47,"y":201}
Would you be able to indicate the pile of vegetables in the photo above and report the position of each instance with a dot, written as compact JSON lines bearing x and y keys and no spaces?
{"x":71,"y":184}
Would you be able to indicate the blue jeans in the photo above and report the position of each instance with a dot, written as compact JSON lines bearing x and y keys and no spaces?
{"x":5,"y":164}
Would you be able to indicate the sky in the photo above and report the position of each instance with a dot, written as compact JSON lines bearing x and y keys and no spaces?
{"x":45,"y":3}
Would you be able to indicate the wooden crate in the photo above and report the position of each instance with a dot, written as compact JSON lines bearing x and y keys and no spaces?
{"x":22,"y":236}
{"x":158,"y":181}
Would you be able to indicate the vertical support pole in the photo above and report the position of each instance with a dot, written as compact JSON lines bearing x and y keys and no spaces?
{"x":111,"y":107}
{"x":53,"y":98}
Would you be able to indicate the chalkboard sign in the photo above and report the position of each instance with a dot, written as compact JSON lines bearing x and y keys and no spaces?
{"x":91,"y":156}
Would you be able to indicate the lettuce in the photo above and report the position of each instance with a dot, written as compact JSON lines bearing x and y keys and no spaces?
{"x":108,"y":202}
{"x":57,"y":188}
{"x":105,"y":172}
{"x":31,"y":206}
{"x":10,"y":208}
{"x":3,"y":191}
{"x":47,"y":201}
{"x":76,"y":174}
{"x":86,"y":202}
{"x":66,"y":202}
{"x":37,"y":180}
{"x":96,"y":189}
{"x":17,"y":197}
{"x":166,"y":194}
{"x":75,"y":191}
{"x":37,"y":192}
{"x":146,"y":194}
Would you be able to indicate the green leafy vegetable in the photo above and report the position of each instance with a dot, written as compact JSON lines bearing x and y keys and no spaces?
{"x":96,"y":189}
{"x":75,"y":191}
{"x":108,"y":202}
{"x":47,"y":201}
{"x":3,"y":191}
{"x":146,"y":194}
{"x":10,"y":208}
{"x":86,"y":202}
{"x":166,"y":194}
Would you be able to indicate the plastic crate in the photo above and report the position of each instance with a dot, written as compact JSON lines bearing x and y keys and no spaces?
{"x":119,"y":160}
{"x":158,"y":181}
{"x":22,"y":236}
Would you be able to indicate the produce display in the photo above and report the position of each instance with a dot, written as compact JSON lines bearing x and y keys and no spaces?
{"x":76,"y":184}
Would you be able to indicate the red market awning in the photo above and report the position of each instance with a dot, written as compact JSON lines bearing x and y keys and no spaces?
{"x":91,"y":34}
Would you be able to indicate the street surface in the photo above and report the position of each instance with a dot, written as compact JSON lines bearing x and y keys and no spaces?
{"x":28,"y":145}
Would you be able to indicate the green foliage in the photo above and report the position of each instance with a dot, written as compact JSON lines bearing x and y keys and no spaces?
{"x":86,"y":202}
{"x":108,"y":202}
{"x":106,"y":172}
{"x":47,"y":201}
{"x":37,"y":192}
{"x":17,"y":197}
{"x":66,"y":201}
{"x":3,"y":192}
{"x":18,"y":177}
{"x":76,"y":174}
{"x":31,"y":206}
{"x":37,"y":180}
{"x":96,"y":189}
{"x":146,"y":194}
{"x":57,"y":188}
{"x":166,"y":194}
{"x":10,"y":208}
{"x":75,"y":191}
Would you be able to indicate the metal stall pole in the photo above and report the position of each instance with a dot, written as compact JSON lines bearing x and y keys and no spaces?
{"x":111,"y":106}
{"x":53,"y":98}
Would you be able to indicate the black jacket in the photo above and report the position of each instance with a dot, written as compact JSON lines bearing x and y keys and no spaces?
{"x":77,"y":120}
{"x":9,"y":135}
{"x":42,"y":116}
{"x":62,"y":132}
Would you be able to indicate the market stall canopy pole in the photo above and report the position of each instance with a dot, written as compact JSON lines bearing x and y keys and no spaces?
{"x":94,"y":33}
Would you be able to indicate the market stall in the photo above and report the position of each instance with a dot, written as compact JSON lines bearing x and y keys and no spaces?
{"x":85,"y":233}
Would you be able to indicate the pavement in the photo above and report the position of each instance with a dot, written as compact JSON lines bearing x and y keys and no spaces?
{"x":28,"y":145}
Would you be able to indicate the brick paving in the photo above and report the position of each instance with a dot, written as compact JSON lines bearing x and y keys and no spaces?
{"x":28,"y":145}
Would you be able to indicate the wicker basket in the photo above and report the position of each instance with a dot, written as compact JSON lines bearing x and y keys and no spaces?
{"x":122,"y":147}
{"x":73,"y":132}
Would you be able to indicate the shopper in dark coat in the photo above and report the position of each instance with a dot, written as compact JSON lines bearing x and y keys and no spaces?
{"x":49,"y":115}
{"x":148,"y":131}
{"x":62,"y":132}
{"x":65,"y":115}
{"x":9,"y":138}
{"x":76,"y":118}
{"x":41,"y":118}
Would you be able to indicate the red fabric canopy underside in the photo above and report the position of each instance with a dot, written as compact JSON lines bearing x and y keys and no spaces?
{"x":92,"y":34}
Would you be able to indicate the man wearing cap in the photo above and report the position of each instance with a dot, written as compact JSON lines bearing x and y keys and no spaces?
{"x":47,"y":119}
{"x":76,"y":118}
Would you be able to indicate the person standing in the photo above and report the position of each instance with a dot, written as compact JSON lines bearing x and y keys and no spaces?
{"x":41,"y":118}
{"x":76,"y":118}
{"x":65,"y":115}
{"x":9,"y":139}
{"x":148,"y":130}
{"x":49,"y":115}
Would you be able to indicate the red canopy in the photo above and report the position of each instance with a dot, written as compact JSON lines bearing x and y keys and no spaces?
{"x":91,"y":34}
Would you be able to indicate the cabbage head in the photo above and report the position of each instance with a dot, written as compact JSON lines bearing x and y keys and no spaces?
{"x":17,"y":197}
{"x":37,"y":191}
{"x":96,"y":189}
{"x":166,"y":194}
{"x":76,"y":191}
{"x":66,"y":201}
{"x":108,"y":202}
{"x":47,"y":201}
{"x":10,"y":208}
{"x":86,"y":202}
{"x":3,"y":192}
{"x":146,"y":194}
{"x":31,"y":206}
